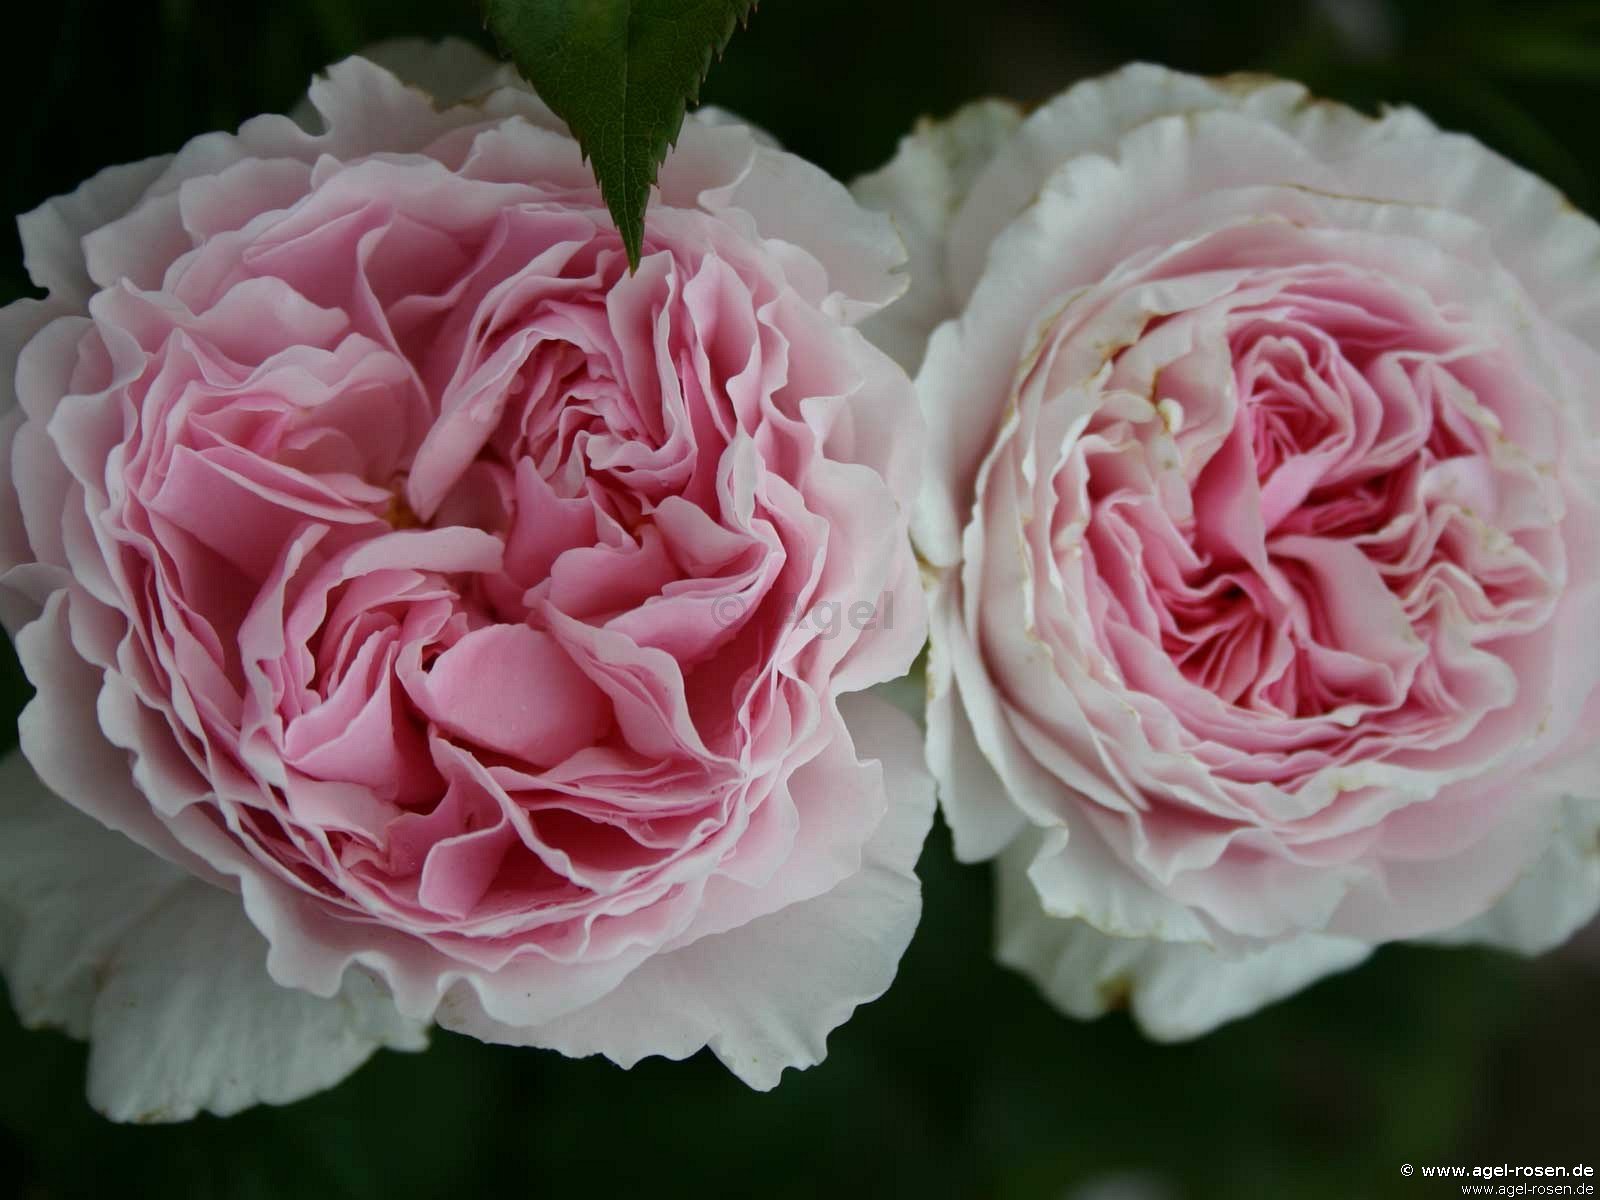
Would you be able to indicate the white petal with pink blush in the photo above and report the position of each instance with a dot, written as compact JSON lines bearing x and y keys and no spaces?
{"x":1263,"y":532}
{"x":412,"y":596}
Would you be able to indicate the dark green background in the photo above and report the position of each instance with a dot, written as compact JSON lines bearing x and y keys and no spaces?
{"x":961,"y":1082}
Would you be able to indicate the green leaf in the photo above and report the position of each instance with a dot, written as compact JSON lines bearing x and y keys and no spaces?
{"x":620,"y":73}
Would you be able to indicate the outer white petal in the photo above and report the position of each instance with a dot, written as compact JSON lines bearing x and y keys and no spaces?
{"x":792,"y":203}
{"x":163,"y":973}
{"x":921,"y":187}
{"x":1552,"y":248}
{"x":450,"y":71}
{"x":1076,"y":875}
{"x":187,"y":1019}
{"x":18,"y":604}
{"x":53,"y":233}
{"x":70,"y":890}
{"x":1088,"y":118}
{"x":765,"y":996}
{"x":977,"y":806}
{"x":1555,"y":897}
{"x":716,"y":116}
{"x":1175,"y":990}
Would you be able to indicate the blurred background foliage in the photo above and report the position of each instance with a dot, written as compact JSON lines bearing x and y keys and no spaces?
{"x":961,"y":1082}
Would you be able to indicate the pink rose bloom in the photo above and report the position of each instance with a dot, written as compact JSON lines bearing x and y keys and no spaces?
{"x":1264,"y":518}
{"x":420,"y":598}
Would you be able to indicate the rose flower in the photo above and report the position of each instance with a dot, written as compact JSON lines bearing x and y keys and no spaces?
{"x":411,"y":596}
{"x":1262,"y":522}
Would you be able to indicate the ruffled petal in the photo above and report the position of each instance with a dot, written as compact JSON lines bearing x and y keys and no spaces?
{"x":922,"y":187}
{"x":53,"y":233}
{"x":162,"y":973}
{"x":765,"y":995}
{"x":1176,"y":990}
